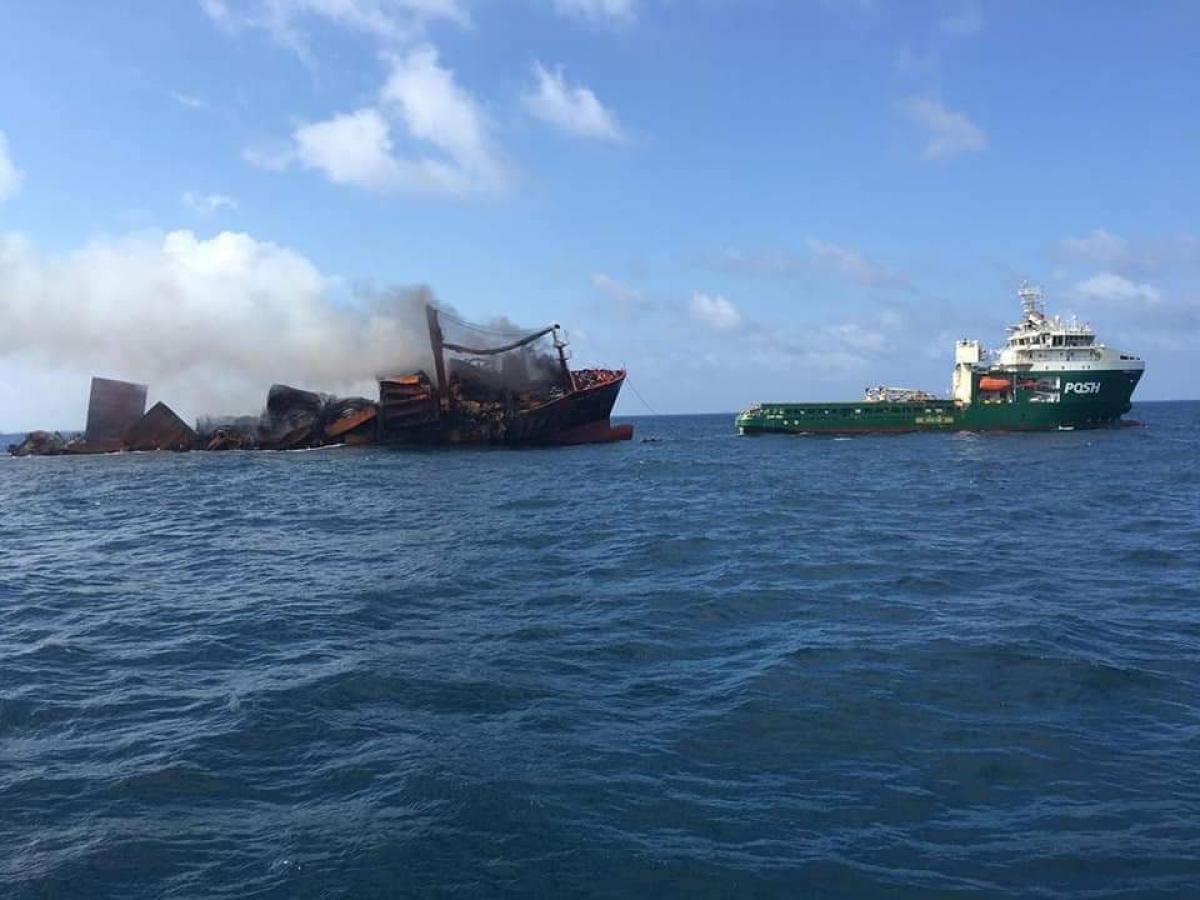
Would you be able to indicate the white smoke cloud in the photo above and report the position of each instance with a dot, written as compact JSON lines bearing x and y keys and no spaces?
{"x":209,"y":324}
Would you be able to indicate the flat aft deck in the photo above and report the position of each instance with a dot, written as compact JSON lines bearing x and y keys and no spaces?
{"x":849,"y":417}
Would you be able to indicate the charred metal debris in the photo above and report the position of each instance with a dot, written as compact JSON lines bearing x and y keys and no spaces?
{"x":511,"y":393}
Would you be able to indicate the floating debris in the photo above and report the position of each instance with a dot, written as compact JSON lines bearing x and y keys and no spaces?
{"x":40,"y":443}
{"x":227,"y":433}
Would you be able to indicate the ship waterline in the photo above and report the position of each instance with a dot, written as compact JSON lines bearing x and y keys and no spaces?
{"x":1051,"y":374}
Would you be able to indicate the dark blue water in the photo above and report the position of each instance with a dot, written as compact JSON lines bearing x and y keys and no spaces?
{"x":704,"y":666}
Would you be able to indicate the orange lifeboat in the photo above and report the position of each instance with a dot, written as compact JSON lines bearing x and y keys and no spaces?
{"x":987,"y":383}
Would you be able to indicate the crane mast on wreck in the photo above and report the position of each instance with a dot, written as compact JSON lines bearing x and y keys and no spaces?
{"x":439,"y":345}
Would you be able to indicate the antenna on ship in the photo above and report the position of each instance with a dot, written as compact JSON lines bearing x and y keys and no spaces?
{"x":1031,"y":300}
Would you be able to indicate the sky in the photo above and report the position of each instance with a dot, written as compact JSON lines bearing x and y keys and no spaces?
{"x":738,"y":200}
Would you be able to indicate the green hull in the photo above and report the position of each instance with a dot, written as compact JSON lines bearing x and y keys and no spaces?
{"x":1038,"y":401}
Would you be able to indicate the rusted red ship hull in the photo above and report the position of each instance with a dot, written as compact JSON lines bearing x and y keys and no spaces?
{"x":580,"y":416}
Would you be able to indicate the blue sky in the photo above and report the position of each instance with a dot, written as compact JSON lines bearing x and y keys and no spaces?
{"x":766,"y":199}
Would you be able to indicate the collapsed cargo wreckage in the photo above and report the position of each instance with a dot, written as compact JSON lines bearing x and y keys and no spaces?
{"x":511,"y":394}
{"x":293,"y":420}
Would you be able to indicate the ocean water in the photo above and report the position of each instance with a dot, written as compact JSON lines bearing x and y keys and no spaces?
{"x":694,"y":665}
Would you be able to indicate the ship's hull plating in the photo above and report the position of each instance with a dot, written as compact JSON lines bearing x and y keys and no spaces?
{"x":579,"y":417}
{"x":1039,"y":401}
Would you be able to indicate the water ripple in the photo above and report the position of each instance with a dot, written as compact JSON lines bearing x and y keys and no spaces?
{"x":703,"y":666}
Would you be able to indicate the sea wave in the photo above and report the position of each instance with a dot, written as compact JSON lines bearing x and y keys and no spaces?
{"x":698,"y":666}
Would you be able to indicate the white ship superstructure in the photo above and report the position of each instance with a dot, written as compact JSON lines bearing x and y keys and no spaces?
{"x":1040,"y":344}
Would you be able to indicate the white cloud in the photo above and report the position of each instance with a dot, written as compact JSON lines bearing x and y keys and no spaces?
{"x":207,"y":204}
{"x":599,"y":10}
{"x":218,"y":11}
{"x":1097,"y":246}
{"x":923,"y":65}
{"x":763,"y":265}
{"x":831,"y":349}
{"x":354,"y":148}
{"x":571,"y":108}
{"x":627,"y":301}
{"x":946,"y":133}
{"x":1116,"y":290}
{"x":390,"y":21}
{"x":436,"y":110}
{"x":208,"y":323}
{"x":422,"y":98}
{"x":861,"y":7}
{"x":10,"y":176}
{"x":854,"y":337}
{"x":819,"y":256}
{"x":274,"y":158}
{"x":1140,"y":257}
{"x":715,"y":312}
{"x":190,"y":101}
{"x":965,"y":20}
{"x":853,"y":265}
{"x":618,"y":291}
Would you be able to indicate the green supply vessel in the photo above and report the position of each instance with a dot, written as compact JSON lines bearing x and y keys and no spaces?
{"x":1051,"y":374}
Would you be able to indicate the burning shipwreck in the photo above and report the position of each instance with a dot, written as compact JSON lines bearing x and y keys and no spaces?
{"x":489,"y":385}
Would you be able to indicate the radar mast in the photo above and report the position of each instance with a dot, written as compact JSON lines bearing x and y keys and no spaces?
{"x":1032,"y":301}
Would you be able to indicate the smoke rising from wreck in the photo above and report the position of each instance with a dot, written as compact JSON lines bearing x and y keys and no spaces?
{"x":528,"y":368}
{"x":210,"y":324}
